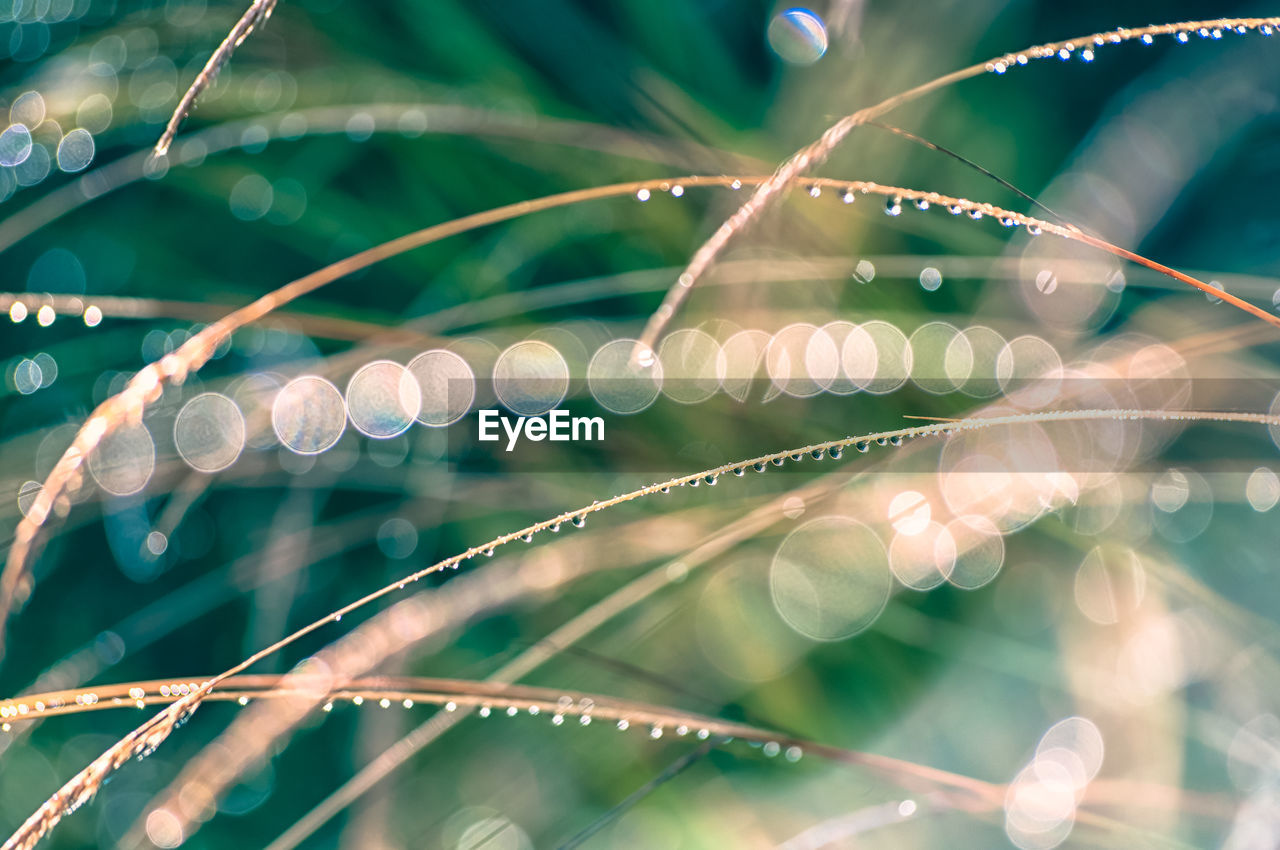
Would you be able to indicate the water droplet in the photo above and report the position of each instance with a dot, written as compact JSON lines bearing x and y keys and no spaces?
{"x":579,"y":521}
{"x":814,"y":191}
{"x":1033,"y":229}
{"x":955,"y":209}
{"x":760,"y":466}
{"x":526,"y":538}
{"x":836,"y":452}
{"x":798,"y":36}
{"x":778,"y":461}
{"x":975,"y":214}
{"x":921,"y":204}
{"x":1046,"y":282}
{"x":710,"y":480}
{"x":817,"y":454}
{"x":847,"y":197}
{"x":642,"y":195}
{"x":893,"y":205}
{"x":739,"y":471}
{"x":862,"y":446}
{"x":864,"y":271}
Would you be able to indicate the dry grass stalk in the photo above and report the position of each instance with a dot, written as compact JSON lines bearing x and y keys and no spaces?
{"x":412,"y":620}
{"x":256,"y":14}
{"x":816,"y":153}
{"x":145,"y":387}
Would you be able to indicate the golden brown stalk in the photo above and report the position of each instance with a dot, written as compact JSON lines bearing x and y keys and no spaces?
{"x":130,"y":404}
{"x":418,"y":617}
{"x":817,"y":152}
{"x":256,"y":14}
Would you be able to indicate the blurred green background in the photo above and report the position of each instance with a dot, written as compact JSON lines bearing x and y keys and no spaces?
{"x":1168,"y":150}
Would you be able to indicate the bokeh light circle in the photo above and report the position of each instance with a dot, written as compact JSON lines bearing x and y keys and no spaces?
{"x":798,"y":36}
{"x":209,"y":432}
{"x":530,"y":378}
{"x":621,"y":383}
{"x":383,"y":399}
{"x":309,"y":415}
{"x":123,"y":461}
{"x":830,"y":578}
{"x":693,"y":365}
{"x":446,"y":386}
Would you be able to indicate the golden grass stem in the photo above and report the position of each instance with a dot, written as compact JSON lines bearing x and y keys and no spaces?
{"x":818,"y":151}
{"x":357,"y":652}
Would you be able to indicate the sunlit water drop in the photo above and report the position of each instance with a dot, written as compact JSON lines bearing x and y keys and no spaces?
{"x":798,"y":36}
